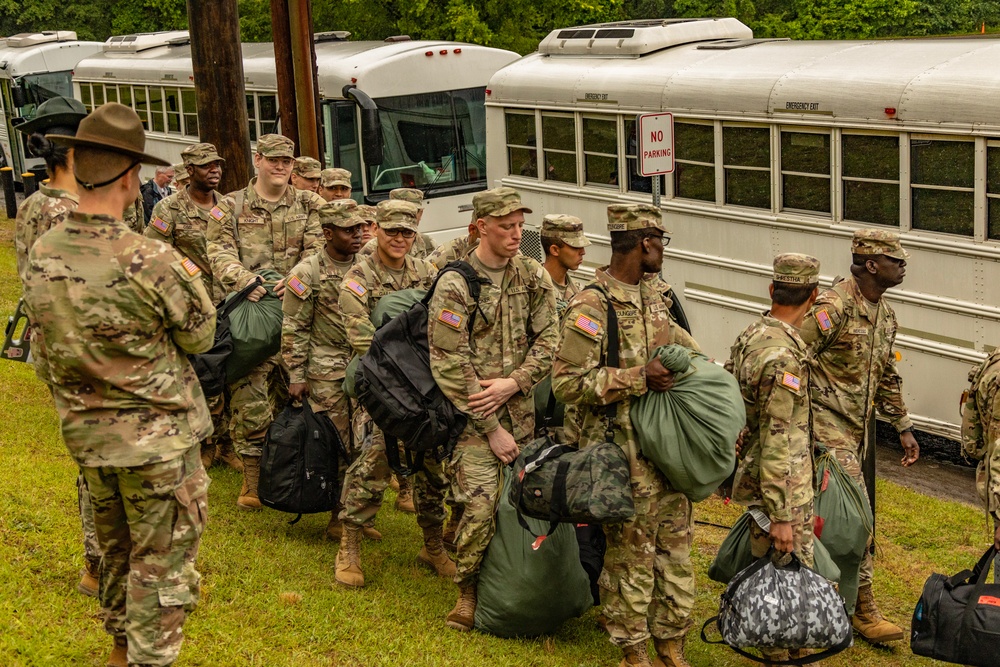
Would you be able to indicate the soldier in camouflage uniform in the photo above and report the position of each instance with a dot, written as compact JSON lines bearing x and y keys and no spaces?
{"x":388,"y":270}
{"x":647,"y":586}
{"x":775,"y":475}
{"x":335,"y":184}
{"x":457,"y":248}
{"x":306,"y":174}
{"x":38,"y":213}
{"x":118,"y":314}
{"x":181,"y":177}
{"x":423,"y":246}
{"x":367,"y":213}
{"x":181,"y":220}
{"x":276,"y":227}
{"x":981,"y":434}
{"x":489,"y":373}
{"x":851,"y":330}
{"x":313,"y":336}
{"x":133,"y":217}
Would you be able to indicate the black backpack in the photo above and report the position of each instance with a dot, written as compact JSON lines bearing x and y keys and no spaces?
{"x":395,"y":385}
{"x":211,"y":366}
{"x":300,"y":463}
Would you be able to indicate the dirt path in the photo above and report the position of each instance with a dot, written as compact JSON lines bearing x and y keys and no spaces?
{"x":929,"y":475}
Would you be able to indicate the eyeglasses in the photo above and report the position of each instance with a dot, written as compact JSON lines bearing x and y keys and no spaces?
{"x":664,"y":239}
{"x":399,"y":231}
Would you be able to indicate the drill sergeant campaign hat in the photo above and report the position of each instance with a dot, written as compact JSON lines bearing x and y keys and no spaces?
{"x":796,"y":269}
{"x":57,"y":115}
{"x":566,"y":228}
{"x":333,"y":177}
{"x":497,"y":202}
{"x":626,"y":217}
{"x":199,"y":154}
{"x":307,"y":167}
{"x":878,"y":242}
{"x":396,"y":214}
{"x":275,"y":145}
{"x":339,"y":213}
{"x":114,"y":128}
{"x":411,"y":195}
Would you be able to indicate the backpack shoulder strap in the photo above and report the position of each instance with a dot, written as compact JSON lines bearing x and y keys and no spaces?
{"x":473,"y":281}
{"x":611,"y":358}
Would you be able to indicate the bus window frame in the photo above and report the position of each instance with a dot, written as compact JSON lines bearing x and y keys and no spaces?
{"x":769,"y":169}
{"x":977,"y":232}
{"x":780,"y":171}
{"x":714,"y":165}
{"x":584,"y":153}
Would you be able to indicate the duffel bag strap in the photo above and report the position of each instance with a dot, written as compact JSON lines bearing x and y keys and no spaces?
{"x":240,"y":297}
{"x":815,"y":657}
{"x":538,"y":538}
{"x":980,"y":573}
{"x":392,"y":456}
{"x":611,"y":359}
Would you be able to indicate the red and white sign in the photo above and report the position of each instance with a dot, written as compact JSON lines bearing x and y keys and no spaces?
{"x":655,"y":132}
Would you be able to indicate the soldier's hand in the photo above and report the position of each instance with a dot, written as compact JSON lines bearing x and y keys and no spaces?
{"x":257,"y":294}
{"x":279,"y":289}
{"x":739,"y":440}
{"x":503,"y":445}
{"x":658,"y":378}
{"x":298,"y":391}
{"x":494,"y":395}
{"x":782,"y":536}
{"x":911,"y":450}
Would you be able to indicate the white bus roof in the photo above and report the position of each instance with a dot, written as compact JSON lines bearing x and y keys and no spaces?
{"x":31,"y":53}
{"x":380,"y":68}
{"x":940,"y":83}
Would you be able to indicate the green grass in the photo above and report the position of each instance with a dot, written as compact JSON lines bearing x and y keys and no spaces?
{"x":250,"y":560}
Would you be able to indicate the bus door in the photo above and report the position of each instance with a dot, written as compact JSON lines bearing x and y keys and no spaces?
{"x":342,"y":145}
{"x":10,"y":147}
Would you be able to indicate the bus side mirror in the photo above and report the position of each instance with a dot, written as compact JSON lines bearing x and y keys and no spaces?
{"x":18,"y":96}
{"x":371,"y":125}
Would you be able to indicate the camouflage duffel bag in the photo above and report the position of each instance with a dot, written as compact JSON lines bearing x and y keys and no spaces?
{"x":558,"y":483}
{"x":782,"y":607}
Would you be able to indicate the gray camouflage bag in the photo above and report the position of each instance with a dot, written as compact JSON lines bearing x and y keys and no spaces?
{"x":784,"y":607}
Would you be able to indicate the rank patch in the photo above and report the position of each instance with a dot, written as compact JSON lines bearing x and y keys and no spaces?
{"x":160,"y":224}
{"x":190,"y":267}
{"x":454,"y":320}
{"x":587,"y":325}
{"x":216,"y":213}
{"x":824,"y":321}
{"x":296,"y":285}
{"x":356,"y":287}
{"x":791,"y":381}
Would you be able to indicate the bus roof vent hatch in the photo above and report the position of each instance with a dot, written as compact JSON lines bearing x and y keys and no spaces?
{"x":26,"y":39}
{"x":146,"y":40}
{"x":631,"y":39}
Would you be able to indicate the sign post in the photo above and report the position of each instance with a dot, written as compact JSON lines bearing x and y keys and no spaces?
{"x":655,"y":147}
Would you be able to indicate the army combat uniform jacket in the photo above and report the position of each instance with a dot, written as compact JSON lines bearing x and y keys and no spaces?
{"x":981,"y":429}
{"x":457,"y":248}
{"x":38,"y":214}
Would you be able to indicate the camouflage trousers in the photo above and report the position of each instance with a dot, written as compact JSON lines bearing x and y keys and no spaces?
{"x":475,"y":485}
{"x":848,"y":457}
{"x":647,"y":585}
{"x":91,"y":549}
{"x":149,"y":522}
{"x":253,"y":402}
{"x":328,"y":396}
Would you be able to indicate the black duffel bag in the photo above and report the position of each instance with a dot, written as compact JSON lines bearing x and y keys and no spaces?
{"x":957,"y":618}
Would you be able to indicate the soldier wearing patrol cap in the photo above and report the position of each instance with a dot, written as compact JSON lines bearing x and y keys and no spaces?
{"x":563,"y":246}
{"x":181,"y":177}
{"x":389,"y":269}
{"x":851,"y":330}
{"x":648,"y":579}
{"x":306,"y":174}
{"x":775,"y":475}
{"x":117,"y":314}
{"x":423,"y":246}
{"x":275,"y":227}
{"x":335,"y":184}
{"x":367,"y":213}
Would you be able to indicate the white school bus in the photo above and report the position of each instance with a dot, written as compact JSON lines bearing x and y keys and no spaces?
{"x":397,"y":113}
{"x":781,"y":146}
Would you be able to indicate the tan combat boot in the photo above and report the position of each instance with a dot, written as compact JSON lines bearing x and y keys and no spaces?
{"x":228,"y":455}
{"x":90,"y":577}
{"x":349,"y":557}
{"x":371,"y":533}
{"x":334,"y":529}
{"x":433,"y":553}
{"x":463,"y":616}
{"x":636,"y":655}
{"x":869,"y":622}
{"x":670,"y":653}
{"x":119,"y":654}
{"x":248,"y":499}
{"x":207,"y":453}
{"x":394,"y":482}
{"x":404,"y":499}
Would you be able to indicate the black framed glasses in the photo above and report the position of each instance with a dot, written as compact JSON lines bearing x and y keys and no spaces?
{"x":399,"y":231}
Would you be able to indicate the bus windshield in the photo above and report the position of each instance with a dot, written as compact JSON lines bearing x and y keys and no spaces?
{"x":432,"y":140}
{"x":41,"y":87}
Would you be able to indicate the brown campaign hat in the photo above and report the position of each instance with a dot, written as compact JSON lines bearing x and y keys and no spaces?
{"x":878,"y":242}
{"x":796,"y":269}
{"x":114,"y":128}
{"x":566,"y":228}
{"x":200,"y":154}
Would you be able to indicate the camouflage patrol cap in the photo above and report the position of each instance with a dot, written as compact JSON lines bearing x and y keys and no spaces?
{"x":306,"y":167}
{"x":396,"y":214}
{"x":339,"y":213}
{"x":333,"y":177}
{"x":200,"y":154}
{"x":366,"y":212}
{"x":878,"y":242}
{"x":626,"y":217}
{"x":411,"y":195}
{"x":566,"y":228}
{"x":275,"y":145}
{"x":180,"y":173}
{"x":497,"y":202}
{"x":796,"y":269}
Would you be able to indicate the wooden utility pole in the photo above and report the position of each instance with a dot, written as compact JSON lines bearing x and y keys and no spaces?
{"x":304,"y":64}
{"x":284,"y":70}
{"x":217,"y":59}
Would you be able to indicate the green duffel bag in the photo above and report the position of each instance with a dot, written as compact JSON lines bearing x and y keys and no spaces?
{"x":388,"y":307}
{"x":690,"y":432}
{"x":256,"y":329}
{"x":735,"y":555}
{"x":844,"y":522}
{"x":527,"y":589}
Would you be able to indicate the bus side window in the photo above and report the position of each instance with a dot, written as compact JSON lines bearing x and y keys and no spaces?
{"x":694,"y":175}
{"x":870,"y":166}
{"x":636,"y":183}
{"x":993,"y":189}
{"x":747,"y":161}
{"x":942,"y":179}
{"x":559,"y":147}
{"x":522,"y":157}
{"x":600,"y":151}
{"x":805,"y":171}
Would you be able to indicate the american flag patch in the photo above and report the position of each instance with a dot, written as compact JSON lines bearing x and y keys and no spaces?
{"x":356,"y":287}
{"x":190,"y":267}
{"x":791,"y":381}
{"x":454,"y":320}
{"x":296,"y":285}
{"x":587,"y":325}
{"x":823,"y":318}
{"x":161,"y":224}
{"x":216,"y":213}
